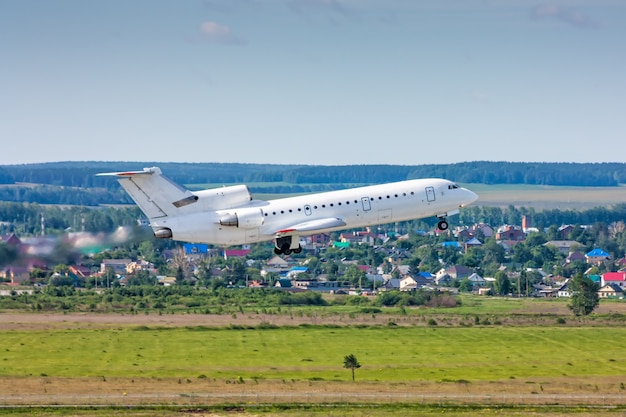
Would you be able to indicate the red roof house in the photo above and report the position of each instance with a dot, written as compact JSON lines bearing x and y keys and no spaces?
{"x":618,"y":278}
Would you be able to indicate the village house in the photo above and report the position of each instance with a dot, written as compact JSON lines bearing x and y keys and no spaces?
{"x":558,"y":288}
{"x":565,"y":230}
{"x":235,"y":253}
{"x":316,"y":285}
{"x":543,"y":291}
{"x":458,"y":272}
{"x":277,"y":265}
{"x":320,"y":239}
{"x":196,"y":250}
{"x":358,"y":237}
{"x":596,"y":256}
{"x":283,"y":283}
{"x":166,"y":281}
{"x":16,"y":274}
{"x":408,"y":283}
{"x":140,"y":265}
{"x":297,"y":270}
{"x":575,"y":256}
{"x":117,"y":265}
{"x":400,"y":270}
{"x":412,"y":283}
{"x":396,"y":256}
{"x":473,"y":242}
{"x":617,"y":278}
{"x":80,"y":271}
{"x":563,"y":290}
{"x":390,"y":284}
{"x":509,"y":232}
{"x":480,"y":229}
{"x":10,"y":239}
{"x":564,"y":246}
{"x":477,"y":281}
{"x":610,"y":291}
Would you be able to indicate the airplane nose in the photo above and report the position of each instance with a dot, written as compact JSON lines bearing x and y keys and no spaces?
{"x":471,"y":197}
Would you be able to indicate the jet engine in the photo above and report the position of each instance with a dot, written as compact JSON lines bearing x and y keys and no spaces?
{"x":164,"y":233}
{"x":243,"y":218}
{"x":223,"y":198}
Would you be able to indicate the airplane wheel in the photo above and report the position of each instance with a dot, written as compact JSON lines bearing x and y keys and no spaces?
{"x":443,"y":225}
{"x":285,"y":249}
{"x":277,"y":251}
{"x":298,"y":250}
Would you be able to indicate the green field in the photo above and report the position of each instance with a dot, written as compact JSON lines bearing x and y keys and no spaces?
{"x":454,"y":367}
{"x":547,"y":197}
{"x":392,"y":355}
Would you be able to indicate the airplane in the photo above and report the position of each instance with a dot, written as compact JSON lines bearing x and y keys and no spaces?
{"x":230,"y":216}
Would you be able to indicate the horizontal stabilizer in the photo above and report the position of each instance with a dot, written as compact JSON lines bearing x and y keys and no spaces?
{"x":311,"y":226}
{"x":146,"y":171}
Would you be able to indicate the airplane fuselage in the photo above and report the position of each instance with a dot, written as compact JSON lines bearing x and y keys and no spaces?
{"x":259,"y":221}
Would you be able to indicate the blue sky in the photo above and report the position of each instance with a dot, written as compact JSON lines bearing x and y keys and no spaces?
{"x":321,"y":82}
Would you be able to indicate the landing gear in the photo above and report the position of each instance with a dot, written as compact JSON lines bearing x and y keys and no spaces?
{"x":283,"y":245}
{"x":442,"y":225}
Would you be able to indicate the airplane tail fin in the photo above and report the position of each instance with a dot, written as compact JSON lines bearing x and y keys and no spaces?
{"x":156,"y":195}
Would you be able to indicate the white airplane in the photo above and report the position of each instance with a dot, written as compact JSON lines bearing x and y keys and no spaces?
{"x":229,"y":216}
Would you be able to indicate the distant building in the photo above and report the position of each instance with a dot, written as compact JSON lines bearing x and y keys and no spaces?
{"x":473,"y":242}
{"x":563,"y":246}
{"x":564,"y":231}
{"x":297,"y":270}
{"x":16,"y":274}
{"x":10,"y":239}
{"x":575,"y":256}
{"x":196,"y":249}
{"x":508,"y":232}
{"x":618,"y":278}
{"x":117,"y":265}
{"x":596,"y":256}
{"x":610,"y":291}
{"x":283,"y":283}
{"x":236,"y":253}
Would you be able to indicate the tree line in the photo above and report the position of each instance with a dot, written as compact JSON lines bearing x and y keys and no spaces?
{"x":82,"y":174}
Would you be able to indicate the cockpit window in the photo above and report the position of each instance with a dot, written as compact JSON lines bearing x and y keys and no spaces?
{"x":452,"y":186}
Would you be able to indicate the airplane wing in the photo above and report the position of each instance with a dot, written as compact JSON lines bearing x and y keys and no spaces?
{"x":311,"y":226}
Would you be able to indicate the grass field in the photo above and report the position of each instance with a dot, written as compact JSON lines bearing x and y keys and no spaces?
{"x":455,"y":367}
{"x":388,"y":355}
{"x":547,"y":197}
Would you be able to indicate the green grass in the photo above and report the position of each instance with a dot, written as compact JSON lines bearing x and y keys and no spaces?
{"x":316,"y":353}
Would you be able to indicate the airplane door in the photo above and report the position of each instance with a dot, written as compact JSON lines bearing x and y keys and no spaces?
{"x":307,"y":210}
{"x":430,"y":194}
{"x":365,"y":202}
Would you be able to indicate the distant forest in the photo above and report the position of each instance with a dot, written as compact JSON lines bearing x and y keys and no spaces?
{"x":75,"y":183}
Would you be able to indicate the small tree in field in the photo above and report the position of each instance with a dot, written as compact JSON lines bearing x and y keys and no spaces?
{"x":350,"y":362}
{"x":584,"y":295}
